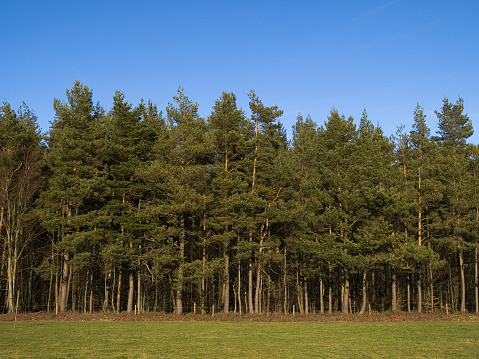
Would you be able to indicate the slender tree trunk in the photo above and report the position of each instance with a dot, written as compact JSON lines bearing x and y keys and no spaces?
{"x":452,"y":289}
{"x":12,"y":237}
{"x":10,"y":279}
{"x":138,"y":292}
{"x":68,"y":285}
{"x":74,"y":284}
{"x":345,"y":304}
{"x":259,"y":275}
{"x":64,"y":283}
{"x":299,"y":292}
{"x":203,"y":269}
{"x":394,"y":293}
{"x":257,"y":294}
{"x":330,"y":299}
{"x":50,"y":291}
{"x":203,"y":279}
{"x":419,"y":294}
{"x":306,"y":299}
{"x":408,"y":295}
{"x":91,"y":293}
{"x":419,"y":235}
{"x":330,"y":292}
{"x":463,"y":280}
{"x":85,"y":293}
{"x":57,"y":300}
{"x":250,"y":281}
{"x":107,"y":295}
{"x":131,"y":284}
{"x":431,"y":287}
{"x":179,"y":289}
{"x":364,"y":301}
{"x":250,"y":287}
{"x":118,"y":292}
{"x":321,"y":295}
{"x":268,"y":306}
{"x":226,"y":280}
{"x":239,"y":288}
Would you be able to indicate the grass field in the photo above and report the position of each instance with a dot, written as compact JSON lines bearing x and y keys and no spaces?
{"x":111,"y":339}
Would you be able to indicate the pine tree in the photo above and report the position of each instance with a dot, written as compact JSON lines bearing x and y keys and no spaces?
{"x":338,"y":155}
{"x":304,"y":209}
{"x":454,"y":129}
{"x":188,"y":152}
{"x":377,"y":186}
{"x":231,"y":134}
{"x":427,"y":194}
{"x":76,"y":186}
{"x":266,"y":187}
{"x":129,"y":143}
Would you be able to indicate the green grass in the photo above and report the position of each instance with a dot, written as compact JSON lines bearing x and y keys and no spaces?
{"x":101,"y":339}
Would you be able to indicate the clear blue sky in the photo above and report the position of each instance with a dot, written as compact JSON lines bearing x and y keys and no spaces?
{"x":304,"y":56}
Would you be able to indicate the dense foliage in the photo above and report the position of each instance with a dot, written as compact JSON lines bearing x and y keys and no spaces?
{"x":127,"y":210}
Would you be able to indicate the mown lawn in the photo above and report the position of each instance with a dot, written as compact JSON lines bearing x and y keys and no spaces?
{"x":104,"y":339}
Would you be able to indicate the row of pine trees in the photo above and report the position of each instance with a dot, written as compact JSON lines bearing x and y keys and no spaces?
{"x":133,"y":210}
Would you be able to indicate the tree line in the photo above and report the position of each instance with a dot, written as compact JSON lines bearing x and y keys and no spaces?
{"x":133,"y":210}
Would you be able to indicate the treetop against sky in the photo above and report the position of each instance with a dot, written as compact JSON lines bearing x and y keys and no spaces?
{"x":304,"y":56}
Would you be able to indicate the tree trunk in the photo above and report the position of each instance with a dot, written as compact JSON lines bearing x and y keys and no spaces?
{"x":257,"y":294}
{"x":203,"y":279}
{"x":306,"y":299}
{"x":330,"y":292}
{"x":431,"y":287}
{"x":364,"y":301}
{"x":10,"y":279}
{"x":268,"y":306}
{"x":57,"y":300}
{"x":203,"y":269}
{"x":64,"y":283}
{"x":250,"y":281}
{"x":321,"y":296}
{"x":138,"y":292}
{"x":91,"y":294}
{"x":118,"y":293}
{"x":131,"y":284}
{"x":345,"y":302}
{"x":299,"y":293}
{"x":226,"y":284}
{"x":419,"y":294}
{"x":394,"y":293}
{"x":408,"y":295}
{"x":12,"y":238}
{"x":50,"y":291}
{"x":239,"y":288}
{"x":179,"y":289}
{"x":68,"y":285}
{"x":74,"y":285}
{"x":85,"y":293}
{"x":463,"y":280}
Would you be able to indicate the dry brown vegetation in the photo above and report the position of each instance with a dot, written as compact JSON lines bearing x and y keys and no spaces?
{"x":376,"y":317}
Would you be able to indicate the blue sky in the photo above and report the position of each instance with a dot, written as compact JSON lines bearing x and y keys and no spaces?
{"x":304,"y":56}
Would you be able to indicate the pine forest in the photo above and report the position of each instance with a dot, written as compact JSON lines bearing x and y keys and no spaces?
{"x":138,"y":210}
